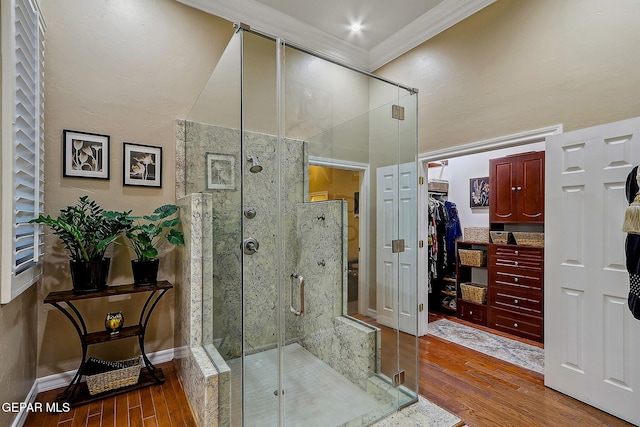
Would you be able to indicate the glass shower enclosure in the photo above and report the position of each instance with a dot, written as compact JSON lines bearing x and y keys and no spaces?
{"x":275,"y":288}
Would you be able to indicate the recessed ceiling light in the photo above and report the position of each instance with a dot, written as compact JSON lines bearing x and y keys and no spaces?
{"x":355,"y":27}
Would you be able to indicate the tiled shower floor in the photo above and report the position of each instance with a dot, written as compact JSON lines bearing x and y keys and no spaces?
{"x":316,"y":395}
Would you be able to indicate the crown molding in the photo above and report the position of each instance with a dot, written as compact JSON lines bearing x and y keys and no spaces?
{"x":278,"y":24}
{"x":443,"y":16}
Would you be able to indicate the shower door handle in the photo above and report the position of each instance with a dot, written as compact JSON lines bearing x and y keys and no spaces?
{"x":293,"y":277}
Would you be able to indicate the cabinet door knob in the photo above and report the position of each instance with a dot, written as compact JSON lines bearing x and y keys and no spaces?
{"x":470,"y":312}
{"x":515,"y":301}
{"x":515,"y":325}
{"x":519,"y":188}
{"x":516,"y":263}
{"x":517,"y":252}
{"x":513,"y":188}
{"x":515,"y":279}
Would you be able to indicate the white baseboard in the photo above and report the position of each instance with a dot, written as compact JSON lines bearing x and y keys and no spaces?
{"x":372,"y":313}
{"x":21,"y":418}
{"x":51,"y":382}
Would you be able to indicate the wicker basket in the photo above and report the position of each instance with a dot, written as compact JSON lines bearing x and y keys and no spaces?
{"x":438,"y":186}
{"x":102,"y":375}
{"x":472,"y":257}
{"x":476,"y":234}
{"x":529,"y":238}
{"x":501,"y":237}
{"x":474,"y":292}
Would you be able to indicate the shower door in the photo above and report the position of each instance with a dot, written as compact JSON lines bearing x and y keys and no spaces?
{"x":304,"y":361}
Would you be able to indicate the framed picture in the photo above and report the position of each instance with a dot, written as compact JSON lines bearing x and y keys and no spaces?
{"x":479,"y":192}
{"x":221,"y":171}
{"x":142,"y":165}
{"x":85,"y":155}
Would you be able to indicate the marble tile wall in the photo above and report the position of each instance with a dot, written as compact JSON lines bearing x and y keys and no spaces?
{"x":213,"y":267}
{"x":344,"y":344}
{"x":198,"y":374}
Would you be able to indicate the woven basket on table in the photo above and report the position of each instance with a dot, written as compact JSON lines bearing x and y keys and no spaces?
{"x":476,"y":234}
{"x":102,"y":375}
{"x":529,"y":238}
{"x":474,"y":292}
{"x":472,"y":257}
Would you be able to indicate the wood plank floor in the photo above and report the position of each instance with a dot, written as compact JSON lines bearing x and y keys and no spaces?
{"x":482,"y":390}
{"x":485,"y":391}
{"x":156,"y":406}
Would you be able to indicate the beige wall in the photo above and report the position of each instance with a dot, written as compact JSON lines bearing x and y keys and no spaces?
{"x":127,"y":69}
{"x":18,"y":347}
{"x":525,"y":64}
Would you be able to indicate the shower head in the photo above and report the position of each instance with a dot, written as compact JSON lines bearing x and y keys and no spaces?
{"x":255,"y":166}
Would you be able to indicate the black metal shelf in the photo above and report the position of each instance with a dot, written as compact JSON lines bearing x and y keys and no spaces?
{"x":77,"y":392}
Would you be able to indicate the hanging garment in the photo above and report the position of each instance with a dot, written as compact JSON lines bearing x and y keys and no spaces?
{"x":453,"y":231}
{"x":632,"y":250}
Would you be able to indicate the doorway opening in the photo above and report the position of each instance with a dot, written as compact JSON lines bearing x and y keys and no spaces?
{"x":334,"y":183}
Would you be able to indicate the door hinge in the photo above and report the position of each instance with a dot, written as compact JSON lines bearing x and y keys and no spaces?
{"x":397,"y":246}
{"x":421,"y":180}
{"x":420,"y":308}
{"x":398,"y":378}
{"x":421,"y":243}
{"x":397,"y":112}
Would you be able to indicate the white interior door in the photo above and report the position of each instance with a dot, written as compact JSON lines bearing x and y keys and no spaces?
{"x":592,"y":342}
{"x":396,"y":273}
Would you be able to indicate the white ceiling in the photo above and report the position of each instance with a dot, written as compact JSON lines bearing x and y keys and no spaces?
{"x":389,"y":27}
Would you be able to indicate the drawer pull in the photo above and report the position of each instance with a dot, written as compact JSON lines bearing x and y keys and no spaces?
{"x":515,"y":301}
{"x":516,"y":263}
{"x":515,"y":325}
{"x":470,"y":312}
{"x":517,"y":252}
{"x":515,"y":279}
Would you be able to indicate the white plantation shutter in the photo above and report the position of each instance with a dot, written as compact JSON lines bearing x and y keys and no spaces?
{"x":22,"y":144}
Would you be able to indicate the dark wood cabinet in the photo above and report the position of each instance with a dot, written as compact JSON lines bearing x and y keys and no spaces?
{"x":516,"y":292}
{"x":471,"y":311}
{"x":517,"y":188}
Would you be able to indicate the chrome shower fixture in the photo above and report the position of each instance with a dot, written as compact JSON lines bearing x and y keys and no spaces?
{"x":255,"y":166}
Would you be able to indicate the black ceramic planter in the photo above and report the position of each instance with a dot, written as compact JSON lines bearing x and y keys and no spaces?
{"x":89,"y":276}
{"x":145,"y":273}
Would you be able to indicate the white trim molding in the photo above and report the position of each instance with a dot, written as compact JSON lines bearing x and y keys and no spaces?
{"x":522,"y":138}
{"x":21,"y":417}
{"x":444,"y":15}
{"x":278,"y":24}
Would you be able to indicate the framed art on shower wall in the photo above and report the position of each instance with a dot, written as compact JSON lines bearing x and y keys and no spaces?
{"x":221,"y":171}
{"x":142,"y":165}
{"x":85,"y":155}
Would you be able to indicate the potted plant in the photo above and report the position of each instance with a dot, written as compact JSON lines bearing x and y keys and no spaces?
{"x":145,"y":234}
{"x":86,"y":234}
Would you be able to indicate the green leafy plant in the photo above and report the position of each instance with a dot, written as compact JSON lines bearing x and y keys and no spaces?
{"x":146,"y":233}
{"x":84,"y":230}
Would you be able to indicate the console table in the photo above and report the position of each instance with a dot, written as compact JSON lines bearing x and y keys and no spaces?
{"x":77,"y":393}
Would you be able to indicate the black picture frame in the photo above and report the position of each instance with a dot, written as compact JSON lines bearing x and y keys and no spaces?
{"x":141,"y":165}
{"x":85,"y":154}
{"x":479,"y":192}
